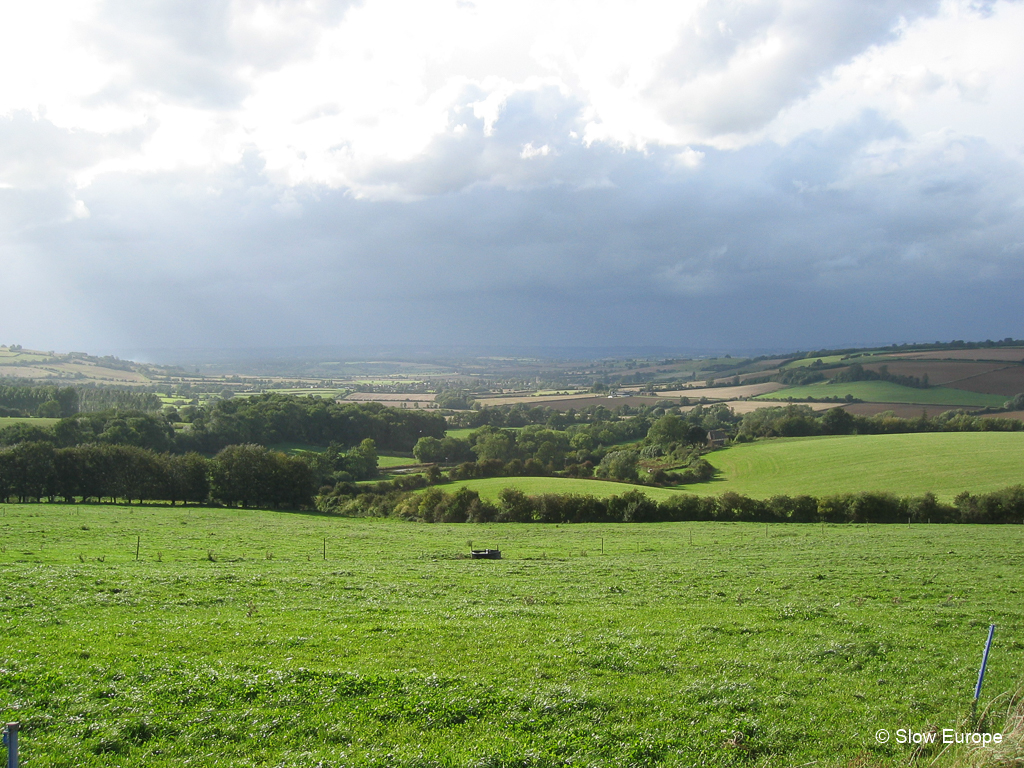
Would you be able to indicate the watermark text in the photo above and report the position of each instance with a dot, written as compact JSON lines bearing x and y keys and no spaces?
{"x":935,"y":736}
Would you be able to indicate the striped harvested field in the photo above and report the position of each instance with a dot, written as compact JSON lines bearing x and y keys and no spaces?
{"x":749,"y":406}
{"x":389,"y":397}
{"x":726,"y":393}
{"x":534,"y":399}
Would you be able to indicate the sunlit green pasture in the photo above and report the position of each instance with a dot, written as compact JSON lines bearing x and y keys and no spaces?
{"x":887,"y":392}
{"x":9,"y":355}
{"x":301,"y":391}
{"x":465,"y":432}
{"x":395,"y":461}
{"x":808,"y":361}
{"x":231,"y":641}
{"x":490,"y":487}
{"x":7,"y":421}
{"x":401,"y":381}
{"x":944,"y":463}
{"x":866,"y":357}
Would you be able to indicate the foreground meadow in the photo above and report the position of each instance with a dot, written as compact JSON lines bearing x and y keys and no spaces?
{"x":232,"y":641}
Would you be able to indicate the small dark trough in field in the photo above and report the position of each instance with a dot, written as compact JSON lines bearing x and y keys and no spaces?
{"x":486,"y":554}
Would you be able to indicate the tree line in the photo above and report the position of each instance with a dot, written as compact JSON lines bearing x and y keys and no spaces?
{"x":60,"y":402}
{"x":245,"y":475}
{"x":262,"y":420}
{"x":435,"y":505}
{"x":269,"y":419}
{"x":609,"y":449}
{"x":801,"y":421}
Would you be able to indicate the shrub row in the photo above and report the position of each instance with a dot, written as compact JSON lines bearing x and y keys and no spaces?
{"x":514,"y":506}
{"x":249,"y":475}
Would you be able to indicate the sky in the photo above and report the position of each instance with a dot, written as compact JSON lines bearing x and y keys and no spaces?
{"x":732,"y":174}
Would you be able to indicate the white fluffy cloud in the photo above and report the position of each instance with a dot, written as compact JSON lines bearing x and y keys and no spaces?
{"x":340,"y":93}
{"x":235,"y":157}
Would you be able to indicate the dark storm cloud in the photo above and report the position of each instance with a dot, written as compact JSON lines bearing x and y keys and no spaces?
{"x":509,"y":218}
{"x":765,"y":246}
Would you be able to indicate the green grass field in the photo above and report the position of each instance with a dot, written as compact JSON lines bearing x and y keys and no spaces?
{"x":300,"y":391}
{"x":490,"y":487}
{"x":463,"y":433}
{"x":945,"y":463}
{"x":7,"y":421}
{"x":300,"y":448}
{"x":395,"y":651}
{"x":395,"y":461}
{"x":807,"y":361}
{"x":862,"y":358}
{"x":296,"y":448}
{"x":887,"y":392}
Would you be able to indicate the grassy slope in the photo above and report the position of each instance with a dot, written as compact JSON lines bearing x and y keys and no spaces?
{"x":392,"y":653}
{"x":296,"y":448}
{"x":395,"y":461}
{"x":808,"y":361}
{"x":868,"y":357}
{"x":945,"y":463}
{"x":887,"y":392}
{"x":7,"y":421}
{"x":490,"y":487}
{"x":300,"y":448}
{"x":465,"y":432}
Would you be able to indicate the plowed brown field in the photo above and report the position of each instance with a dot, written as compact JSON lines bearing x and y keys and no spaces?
{"x":749,"y":406}
{"x":939,"y":372}
{"x":1009,"y":354}
{"x":1019,"y":415}
{"x":726,"y":393}
{"x":611,"y":403}
{"x":1007,"y":381}
{"x":389,"y":397}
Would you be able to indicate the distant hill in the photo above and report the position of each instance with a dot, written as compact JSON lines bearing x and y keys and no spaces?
{"x":29,"y":365}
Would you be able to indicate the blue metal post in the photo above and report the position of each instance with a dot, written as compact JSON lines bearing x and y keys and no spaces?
{"x":11,"y":741}
{"x":984,"y":663}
